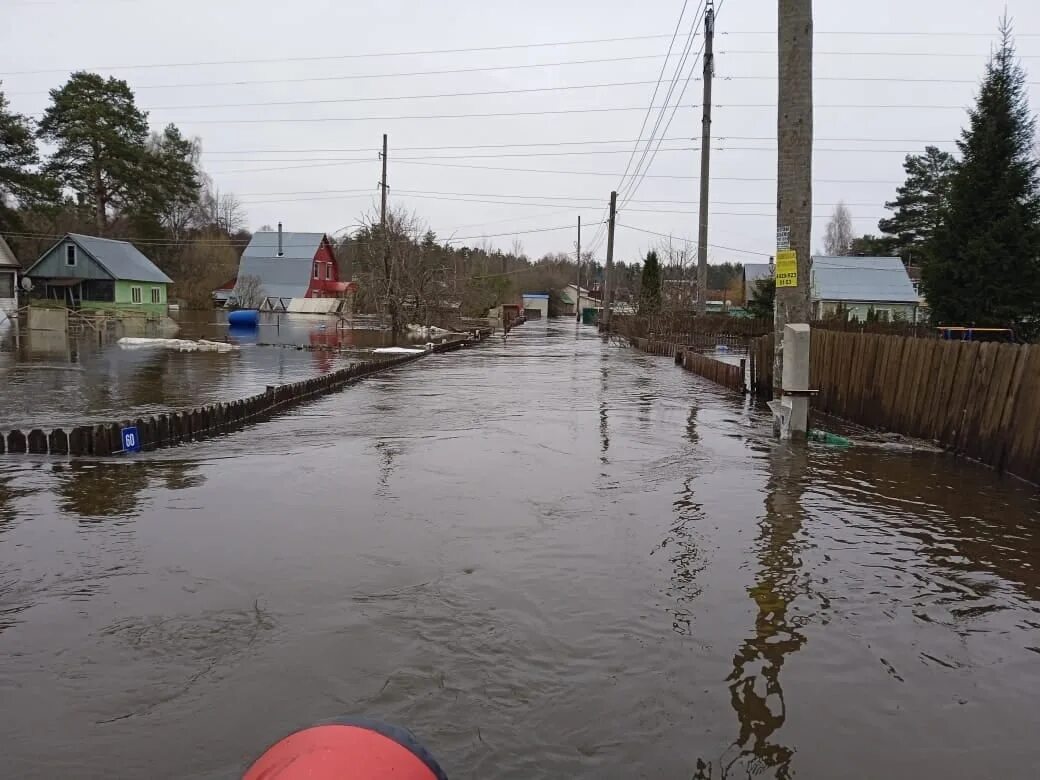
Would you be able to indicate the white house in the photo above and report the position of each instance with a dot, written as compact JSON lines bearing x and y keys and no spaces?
{"x":858,"y":286}
{"x":9,"y":268}
{"x":575,"y":298}
{"x":536,"y":305}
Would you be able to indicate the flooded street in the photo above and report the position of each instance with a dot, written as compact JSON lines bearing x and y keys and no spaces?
{"x":549,"y":557}
{"x":48,"y":378}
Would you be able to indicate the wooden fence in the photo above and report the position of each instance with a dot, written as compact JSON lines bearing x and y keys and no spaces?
{"x":166,"y":430}
{"x":976,"y":399}
{"x":760,"y":373}
{"x":726,"y":374}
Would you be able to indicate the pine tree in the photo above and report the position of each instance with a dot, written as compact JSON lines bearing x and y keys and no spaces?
{"x":20,"y":184}
{"x":650,"y":286}
{"x":919,"y":204}
{"x":985,"y":269}
{"x":100,"y":136}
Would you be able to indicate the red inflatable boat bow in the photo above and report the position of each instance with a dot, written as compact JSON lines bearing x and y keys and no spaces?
{"x":347,"y":750}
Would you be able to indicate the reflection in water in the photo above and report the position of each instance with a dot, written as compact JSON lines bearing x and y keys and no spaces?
{"x":756,"y":694}
{"x":104,"y":489}
{"x":9,"y":493}
{"x":604,"y":431}
{"x":686,"y":557}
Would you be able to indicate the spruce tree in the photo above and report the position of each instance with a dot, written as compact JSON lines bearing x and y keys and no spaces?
{"x":650,"y":286}
{"x":985,"y":266}
{"x":919,"y":205}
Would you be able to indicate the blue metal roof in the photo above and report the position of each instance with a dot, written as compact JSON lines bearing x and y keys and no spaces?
{"x":862,"y":279}
{"x":544,"y":296}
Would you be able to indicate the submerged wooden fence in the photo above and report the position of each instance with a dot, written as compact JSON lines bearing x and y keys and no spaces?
{"x":981,"y":400}
{"x":976,"y":399}
{"x":726,"y":374}
{"x":166,"y":430}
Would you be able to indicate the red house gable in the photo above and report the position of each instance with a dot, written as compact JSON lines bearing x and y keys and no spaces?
{"x":324,"y":273}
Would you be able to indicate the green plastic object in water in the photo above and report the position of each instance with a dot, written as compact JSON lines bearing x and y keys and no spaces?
{"x":823,"y":437}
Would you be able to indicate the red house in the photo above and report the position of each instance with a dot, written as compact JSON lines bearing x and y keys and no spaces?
{"x":292,"y":266}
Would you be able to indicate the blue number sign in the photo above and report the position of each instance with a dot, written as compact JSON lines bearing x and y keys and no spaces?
{"x":131,"y":440}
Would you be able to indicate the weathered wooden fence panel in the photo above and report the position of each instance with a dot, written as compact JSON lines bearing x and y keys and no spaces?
{"x":979,"y":400}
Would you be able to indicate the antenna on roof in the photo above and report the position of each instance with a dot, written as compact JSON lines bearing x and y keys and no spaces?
{"x":280,"y":252}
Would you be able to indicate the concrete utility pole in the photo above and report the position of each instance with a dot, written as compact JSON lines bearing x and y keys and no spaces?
{"x":702,"y":232}
{"x":382,"y":188}
{"x":388,"y":265}
{"x":610,"y":259}
{"x":577,"y":292}
{"x":794,"y":176}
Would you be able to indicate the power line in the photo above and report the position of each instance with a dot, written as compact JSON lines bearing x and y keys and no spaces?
{"x":382,"y":98}
{"x":623,"y":189}
{"x":323,"y":58}
{"x":372,"y":149}
{"x":773,"y":53}
{"x":362,"y":76}
{"x":657,"y":87}
{"x":691,"y":241}
{"x":521,"y":145}
{"x":479,"y":115}
{"x":896,"y":79}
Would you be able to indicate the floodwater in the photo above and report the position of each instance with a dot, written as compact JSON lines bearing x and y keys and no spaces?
{"x":50,"y":380}
{"x":549,"y":557}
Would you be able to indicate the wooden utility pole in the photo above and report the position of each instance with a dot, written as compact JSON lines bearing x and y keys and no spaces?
{"x":793,"y":173}
{"x":577,"y":292}
{"x":610,"y":259}
{"x":702,"y":231}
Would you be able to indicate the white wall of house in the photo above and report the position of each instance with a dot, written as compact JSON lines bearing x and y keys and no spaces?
{"x":886,"y":311}
{"x":8,"y":291}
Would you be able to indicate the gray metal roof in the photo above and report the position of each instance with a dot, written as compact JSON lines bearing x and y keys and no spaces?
{"x":7,"y":258}
{"x":288,"y":276}
{"x":865,"y":279}
{"x":121,"y":259}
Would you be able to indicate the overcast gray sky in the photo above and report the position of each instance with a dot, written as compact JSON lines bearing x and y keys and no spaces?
{"x":881,"y":91}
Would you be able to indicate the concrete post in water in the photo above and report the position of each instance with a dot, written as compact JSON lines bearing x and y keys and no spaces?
{"x":791,"y":410}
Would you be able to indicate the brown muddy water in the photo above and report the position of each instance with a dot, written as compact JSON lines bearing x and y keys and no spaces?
{"x":50,"y":380}
{"x":549,"y":557}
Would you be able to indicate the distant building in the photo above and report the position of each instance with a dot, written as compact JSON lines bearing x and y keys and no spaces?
{"x":87,"y":272}
{"x":292,"y":266}
{"x":573,"y":299}
{"x":536,"y":305}
{"x":754,"y":273}
{"x":854,"y":287}
{"x":9,"y":268}
{"x":225,"y":292}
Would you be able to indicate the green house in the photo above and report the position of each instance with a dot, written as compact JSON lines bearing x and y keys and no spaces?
{"x":86,"y":272}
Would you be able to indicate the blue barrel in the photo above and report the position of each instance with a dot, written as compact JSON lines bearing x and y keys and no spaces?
{"x":247,"y":318}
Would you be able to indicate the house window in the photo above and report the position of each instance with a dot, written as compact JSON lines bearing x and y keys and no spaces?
{"x":317,"y":271}
{"x":70,"y":254}
{"x":135,"y":295}
{"x":156,"y":295}
{"x":328,"y":270}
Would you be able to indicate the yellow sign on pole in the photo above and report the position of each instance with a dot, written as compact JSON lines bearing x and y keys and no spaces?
{"x":787,"y":268}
